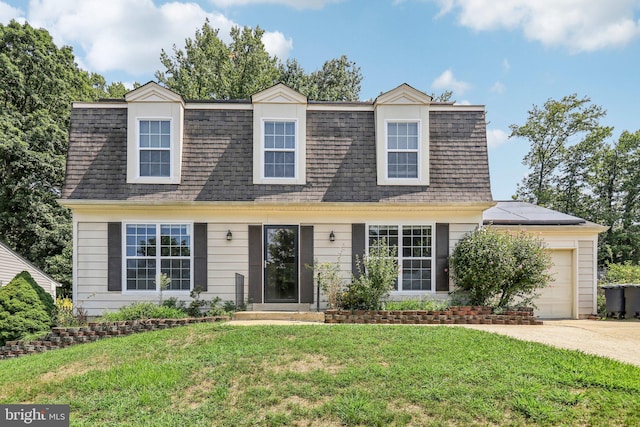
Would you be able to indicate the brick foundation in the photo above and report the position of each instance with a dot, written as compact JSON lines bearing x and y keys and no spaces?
{"x":60,"y":337}
{"x":454,"y":315}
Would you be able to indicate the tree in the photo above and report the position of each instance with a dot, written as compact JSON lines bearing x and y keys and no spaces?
{"x":500,"y":269}
{"x":208,"y":68}
{"x":38,"y":82}
{"x":550,"y":130}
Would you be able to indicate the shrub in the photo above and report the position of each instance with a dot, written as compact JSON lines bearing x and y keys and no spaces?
{"x":67,"y":315}
{"x":622,"y":273}
{"x":378,"y":274}
{"x":417,"y":304}
{"x":144,"y":310}
{"x":329,"y":279}
{"x":500,"y":269}
{"x":23,"y":309}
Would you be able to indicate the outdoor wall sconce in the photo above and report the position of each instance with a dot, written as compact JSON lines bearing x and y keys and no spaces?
{"x":229,"y":235}
{"x":332,"y":237}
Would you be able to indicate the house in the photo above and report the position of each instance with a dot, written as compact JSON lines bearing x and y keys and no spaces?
{"x":11,"y":264}
{"x":238,"y":197}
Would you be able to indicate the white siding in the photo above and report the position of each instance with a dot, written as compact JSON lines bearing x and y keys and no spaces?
{"x":586,"y":277}
{"x":337,"y":252}
{"x":12,"y":264}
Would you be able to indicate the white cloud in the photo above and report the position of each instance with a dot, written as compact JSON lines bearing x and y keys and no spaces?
{"x":506,"y":65}
{"x":463,"y":102}
{"x":129,"y":34}
{"x":579,"y":25}
{"x":8,"y":12}
{"x":496,"y":137}
{"x":497,"y":88}
{"x":447,"y":81}
{"x":297,"y":4}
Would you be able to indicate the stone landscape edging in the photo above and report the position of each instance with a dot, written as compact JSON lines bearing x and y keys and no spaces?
{"x":459,"y":315}
{"x":61,"y":337}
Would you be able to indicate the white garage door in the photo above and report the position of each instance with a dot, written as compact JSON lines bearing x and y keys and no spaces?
{"x":555,"y":301}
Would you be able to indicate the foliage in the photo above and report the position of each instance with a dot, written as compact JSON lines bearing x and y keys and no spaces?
{"x":68,"y":315}
{"x":378,"y":274}
{"x":210,"y":68}
{"x":575,"y":169}
{"x":622,"y":273}
{"x":329,"y":277}
{"x":500,"y":269}
{"x":417,"y":304}
{"x":38,"y":82}
{"x":143,"y":310}
{"x":220,"y":374}
{"x":24,"y":308}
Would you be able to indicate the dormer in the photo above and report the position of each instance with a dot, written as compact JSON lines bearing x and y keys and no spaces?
{"x":155,"y":118}
{"x":279,"y":136}
{"x":402,"y":136}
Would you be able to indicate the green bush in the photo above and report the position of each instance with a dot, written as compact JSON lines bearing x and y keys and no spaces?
{"x":417,"y":304}
{"x":499,"y":269}
{"x":143,"y":310}
{"x":24,"y":309}
{"x":622,"y":273}
{"x":378,"y":274}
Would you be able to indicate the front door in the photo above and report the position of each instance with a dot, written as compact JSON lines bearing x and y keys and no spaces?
{"x":280,"y":264}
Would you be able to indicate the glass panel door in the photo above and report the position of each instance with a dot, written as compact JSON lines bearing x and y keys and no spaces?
{"x":281,"y":264}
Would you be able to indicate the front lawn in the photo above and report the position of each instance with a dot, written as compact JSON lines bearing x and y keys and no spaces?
{"x":211,"y":374}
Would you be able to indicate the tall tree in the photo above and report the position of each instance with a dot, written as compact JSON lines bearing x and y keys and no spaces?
{"x":550,"y":130}
{"x":38,"y":82}
{"x":208,"y":68}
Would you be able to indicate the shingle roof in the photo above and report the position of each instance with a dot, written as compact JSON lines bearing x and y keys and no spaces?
{"x":218,"y":160}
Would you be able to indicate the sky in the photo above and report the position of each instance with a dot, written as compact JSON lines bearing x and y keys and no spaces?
{"x":507,"y":55}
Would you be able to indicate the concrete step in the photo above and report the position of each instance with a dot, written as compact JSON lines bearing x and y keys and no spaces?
{"x":295,"y":316}
{"x":279,"y":307}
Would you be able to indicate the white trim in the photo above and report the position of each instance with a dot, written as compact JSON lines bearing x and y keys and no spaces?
{"x":263,"y":150}
{"x":75,"y":265}
{"x":156,"y":179}
{"x":118,"y":104}
{"x":405,"y":181}
{"x":400,"y":258}
{"x":158,"y":257}
{"x":217,"y":106}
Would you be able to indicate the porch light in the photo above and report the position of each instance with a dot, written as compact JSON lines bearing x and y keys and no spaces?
{"x":332,"y":237}
{"x":229,"y":235}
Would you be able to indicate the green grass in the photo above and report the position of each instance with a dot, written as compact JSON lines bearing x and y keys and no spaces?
{"x":223,"y":375}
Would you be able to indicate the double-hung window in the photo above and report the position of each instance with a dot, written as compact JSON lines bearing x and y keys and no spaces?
{"x":153,"y":250}
{"x":414,"y":248}
{"x":403,"y":143}
{"x":279,"y":149}
{"x":155,"y":148}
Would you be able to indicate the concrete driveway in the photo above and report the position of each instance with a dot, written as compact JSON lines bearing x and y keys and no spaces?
{"x":616,"y":339}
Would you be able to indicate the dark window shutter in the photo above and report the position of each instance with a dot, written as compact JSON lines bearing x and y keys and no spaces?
{"x":255,"y":264}
{"x":442,"y":257}
{"x":114,"y":255}
{"x":306,"y":262}
{"x":200,"y":260}
{"x":358,"y":240}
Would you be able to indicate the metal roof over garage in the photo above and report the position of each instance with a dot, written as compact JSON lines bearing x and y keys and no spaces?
{"x":523,"y":213}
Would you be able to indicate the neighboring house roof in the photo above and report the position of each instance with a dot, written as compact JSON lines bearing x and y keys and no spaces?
{"x":217,"y":162}
{"x":11,"y":263}
{"x":523,"y":213}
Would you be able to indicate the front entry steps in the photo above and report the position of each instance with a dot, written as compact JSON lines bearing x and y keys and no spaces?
{"x":287,"y":306}
{"x":293,"y":316}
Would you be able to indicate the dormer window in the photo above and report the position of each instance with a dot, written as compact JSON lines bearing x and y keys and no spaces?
{"x":155,"y":118}
{"x":155,"y":148}
{"x":279,"y":149}
{"x":279,"y":136}
{"x":403,"y":149}
{"x":402,"y":137}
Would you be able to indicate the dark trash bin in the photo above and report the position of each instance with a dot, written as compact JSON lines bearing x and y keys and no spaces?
{"x":614,"y":295}
{"x":632,"y":301}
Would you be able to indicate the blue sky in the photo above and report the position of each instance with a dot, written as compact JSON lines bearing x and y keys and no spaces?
{"x":505,"y":54}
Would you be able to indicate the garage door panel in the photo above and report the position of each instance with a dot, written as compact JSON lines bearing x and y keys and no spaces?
{"x":555,"y":300}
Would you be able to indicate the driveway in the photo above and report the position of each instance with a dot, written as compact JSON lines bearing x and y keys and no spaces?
{"x":616,"y":339}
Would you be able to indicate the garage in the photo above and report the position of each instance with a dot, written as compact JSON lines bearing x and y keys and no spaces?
{"x":572,"y":243}
{"x":556,"y":300}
